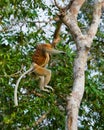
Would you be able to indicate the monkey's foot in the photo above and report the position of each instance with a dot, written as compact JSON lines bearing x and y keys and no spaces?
{"x":46,"y":90}
{"x":49,"y":87}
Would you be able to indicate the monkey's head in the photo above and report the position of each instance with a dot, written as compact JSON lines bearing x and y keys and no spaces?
{"x":47,"y":47}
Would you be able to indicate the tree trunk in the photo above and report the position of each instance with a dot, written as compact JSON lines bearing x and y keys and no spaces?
{"x":74,"y":100}
{"x":83,"y":44}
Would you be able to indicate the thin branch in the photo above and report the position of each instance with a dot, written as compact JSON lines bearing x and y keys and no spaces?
{"x":36,"y":93}
{"x":56,"y":37}
{"x":14,"y":74}
{"x":24,"y":22}
{"x":41,"y":118}
{"x":8,"y":76}
{"x":64,"y":9}
{"x":69,"y":5}
{"x":43,"y":21}
{"x":56,"y":4}
{"x":11,"y":25}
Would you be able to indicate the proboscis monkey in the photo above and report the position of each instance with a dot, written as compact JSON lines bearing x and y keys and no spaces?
{"x":40,"y":60}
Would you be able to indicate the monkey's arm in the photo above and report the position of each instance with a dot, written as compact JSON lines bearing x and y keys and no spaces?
{"x":54,"y":51}
{"x":17,"y":84}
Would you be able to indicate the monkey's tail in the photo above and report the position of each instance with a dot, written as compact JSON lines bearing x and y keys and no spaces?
{"x":17,"y":84}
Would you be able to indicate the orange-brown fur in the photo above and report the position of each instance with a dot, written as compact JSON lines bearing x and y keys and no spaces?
{"x":40,"y":56}
{"x":40,"y":59}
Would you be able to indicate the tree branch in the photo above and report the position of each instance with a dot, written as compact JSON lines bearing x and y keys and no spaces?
{"x":41,"y":118}
{"x":70,"y":21}
{"x":36,"y":93}
{"x":95,"y":22}
{"x":70,"y":4}
{"x":44,"y":21}
{"x":14,"y":74}
{"x":56,"y":4}
{"x":75,"y":7}
{"x":56,"y":37}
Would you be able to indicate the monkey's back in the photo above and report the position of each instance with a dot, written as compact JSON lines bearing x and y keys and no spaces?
{"x":40,"y":57}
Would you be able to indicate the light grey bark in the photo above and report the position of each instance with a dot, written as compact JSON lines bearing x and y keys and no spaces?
{"x":83,"y":44}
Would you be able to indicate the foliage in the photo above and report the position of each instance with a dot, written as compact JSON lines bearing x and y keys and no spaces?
{"x":20,"y":31}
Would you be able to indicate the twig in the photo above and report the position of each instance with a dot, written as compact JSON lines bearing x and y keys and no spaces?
{"x":69,"y":5}
{"x":41,"y":118}
{"x":36,"y":93}
{"x":13,"y":75}
{"x":63,"y":8}
{"x":59,"y":7}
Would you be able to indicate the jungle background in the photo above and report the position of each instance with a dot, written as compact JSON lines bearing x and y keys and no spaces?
{"x":24,"y":24}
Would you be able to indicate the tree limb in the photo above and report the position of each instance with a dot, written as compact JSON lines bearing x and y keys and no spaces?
{"x":75,"y":7}
{"x":56,"y":4}
{"x":95,"y":22}
{"x":36,"y":93}
{"x":56,"y":37}
{"x":70,"y":21}
{"x":41,"y":118}
{"x":14,"y":74}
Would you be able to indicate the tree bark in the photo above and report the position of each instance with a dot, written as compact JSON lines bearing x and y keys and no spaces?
{"x":74,"y":100}
{"x":83,"y":44}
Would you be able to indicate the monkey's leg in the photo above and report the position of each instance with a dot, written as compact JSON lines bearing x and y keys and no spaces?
{"x":41,"y":84}
{"x":43,"y":72}
{"x":47,"y":78}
